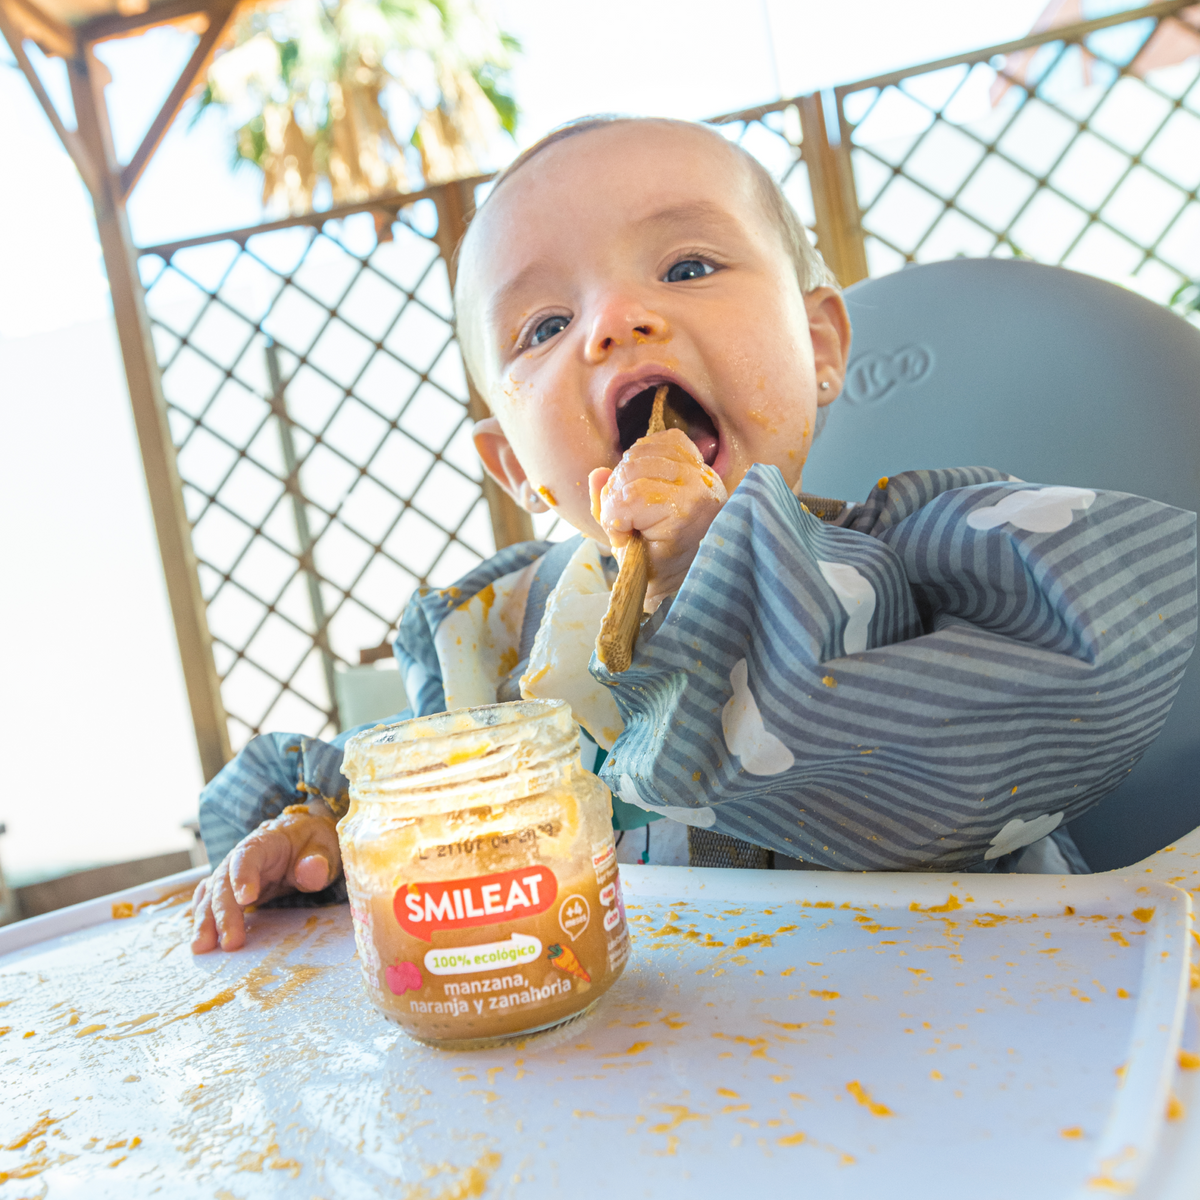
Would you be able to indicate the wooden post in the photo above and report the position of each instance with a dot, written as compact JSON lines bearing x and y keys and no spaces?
{"x":304,"y":537}
{"x":835,"y":201}
{"x":455,"y":207}
{"x":88,"y":77}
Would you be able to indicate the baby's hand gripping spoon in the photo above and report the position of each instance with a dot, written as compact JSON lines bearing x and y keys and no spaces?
{"x":619,"y":629}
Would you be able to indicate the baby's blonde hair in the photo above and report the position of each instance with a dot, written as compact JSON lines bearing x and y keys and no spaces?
{"x":811,"y":270}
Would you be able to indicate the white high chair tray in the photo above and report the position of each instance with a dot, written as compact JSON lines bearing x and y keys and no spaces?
{"x":776,"y":1033}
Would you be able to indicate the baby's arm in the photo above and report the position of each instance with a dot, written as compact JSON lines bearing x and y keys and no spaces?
{"x":662,"y":488}
{"x":296,"y":851}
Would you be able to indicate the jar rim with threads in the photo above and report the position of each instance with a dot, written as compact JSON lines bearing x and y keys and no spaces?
{"x":482,"y":873}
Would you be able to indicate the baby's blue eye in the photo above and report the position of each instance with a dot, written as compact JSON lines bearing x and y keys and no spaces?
{"x":548,"y":328}
{"x":689,"y":268}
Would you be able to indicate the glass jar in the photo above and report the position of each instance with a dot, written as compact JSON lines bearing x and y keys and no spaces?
{"x":482,"y":873}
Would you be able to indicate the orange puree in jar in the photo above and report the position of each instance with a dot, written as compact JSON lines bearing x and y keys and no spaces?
{"x":482,"y":874}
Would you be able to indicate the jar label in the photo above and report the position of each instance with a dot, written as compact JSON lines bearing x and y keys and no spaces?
{"x":574,"y":916}
{"x":604,"y":858}
{"x":423,"y":908}
{"x":490,"y":956}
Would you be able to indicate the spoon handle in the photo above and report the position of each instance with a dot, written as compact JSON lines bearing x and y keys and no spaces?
{"x":619,"y":629}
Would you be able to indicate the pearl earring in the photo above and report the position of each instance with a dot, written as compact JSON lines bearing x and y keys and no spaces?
{"x":531,"y":502}
{"x":824,"y":385}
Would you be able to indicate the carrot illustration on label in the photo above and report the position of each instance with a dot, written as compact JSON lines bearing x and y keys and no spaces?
{"x":564,"y":958}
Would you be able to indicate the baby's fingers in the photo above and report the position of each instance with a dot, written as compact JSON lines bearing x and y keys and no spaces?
{"x":318,"y":861}
{"x":665,"y":470}
{"x":668,"y":443}
{"x":596,"y":481}
{"x":216,"y":915}
{"x":246,"y":870}
{"x":204,"y":927}
{"x":312,"y":873}
{"x":227,"y":913}
{"x":600,"y":492}
{"x":258,"y":863}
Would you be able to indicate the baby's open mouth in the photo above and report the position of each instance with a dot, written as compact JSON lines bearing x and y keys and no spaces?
{"x":681,"y":411}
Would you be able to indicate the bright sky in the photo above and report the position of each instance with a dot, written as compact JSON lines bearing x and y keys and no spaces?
{"x":101,"y":765}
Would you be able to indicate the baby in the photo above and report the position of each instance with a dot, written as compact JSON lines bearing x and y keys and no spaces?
{"x":923,"y":681}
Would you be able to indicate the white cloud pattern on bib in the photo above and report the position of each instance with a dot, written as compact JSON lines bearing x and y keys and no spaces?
{"x":702,"y":818}
{"x":1018,"y":833}
{"x":1043,"y":510}
{"x":857,"y":598}
{"x":761,"y":752}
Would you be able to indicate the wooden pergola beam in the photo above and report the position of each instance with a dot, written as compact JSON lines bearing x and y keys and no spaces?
{"x":15,"y":36}
{"x":117,"y":25}
{"x":839,"y":222}
{"x":389,"y":203}
{"x":220,"y":13}
{"x":50,"y":34}
{"x":88,"y":76}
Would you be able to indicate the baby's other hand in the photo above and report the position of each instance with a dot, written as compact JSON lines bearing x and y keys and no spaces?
{"x":663,"y":488}
{"x":297,"y":851}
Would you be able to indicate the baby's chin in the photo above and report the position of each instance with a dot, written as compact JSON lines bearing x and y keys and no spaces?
{"x":583,"y":522}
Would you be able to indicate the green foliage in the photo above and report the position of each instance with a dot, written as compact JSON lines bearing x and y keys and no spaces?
{"x":1186,"y":298}
{"x":334,"y":88}
{"x":251,"y":144}
{"x":504,"y":104}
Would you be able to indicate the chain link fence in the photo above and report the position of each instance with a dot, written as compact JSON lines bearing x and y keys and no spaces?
{"x":317,"y":397}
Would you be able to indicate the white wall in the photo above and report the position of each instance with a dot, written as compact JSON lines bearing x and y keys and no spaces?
{"x":100,"y":761}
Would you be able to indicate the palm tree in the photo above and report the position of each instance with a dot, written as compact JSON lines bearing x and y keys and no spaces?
{"x":323,"y":86}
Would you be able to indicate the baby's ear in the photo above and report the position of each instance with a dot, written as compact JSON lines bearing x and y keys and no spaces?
{"x":500,"y":462}
{"x":829,"y":328}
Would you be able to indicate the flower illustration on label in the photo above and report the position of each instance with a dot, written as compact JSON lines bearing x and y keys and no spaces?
{"x":423,"y":908}
{"x":403,"y":977}
{"x":574,"y":916}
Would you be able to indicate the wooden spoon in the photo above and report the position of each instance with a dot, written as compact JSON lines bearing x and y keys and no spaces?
{"x":619,"y":629}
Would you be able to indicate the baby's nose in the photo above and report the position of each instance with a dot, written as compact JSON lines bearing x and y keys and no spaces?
{"x":624,"y":323}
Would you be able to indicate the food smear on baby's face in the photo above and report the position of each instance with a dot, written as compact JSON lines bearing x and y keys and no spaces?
{"x":482,"y":873}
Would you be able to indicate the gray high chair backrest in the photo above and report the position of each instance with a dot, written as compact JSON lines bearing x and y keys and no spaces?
{"x":1057,"y":378}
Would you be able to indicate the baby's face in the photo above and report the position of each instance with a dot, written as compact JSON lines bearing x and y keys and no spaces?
{"x":628,"y":257}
